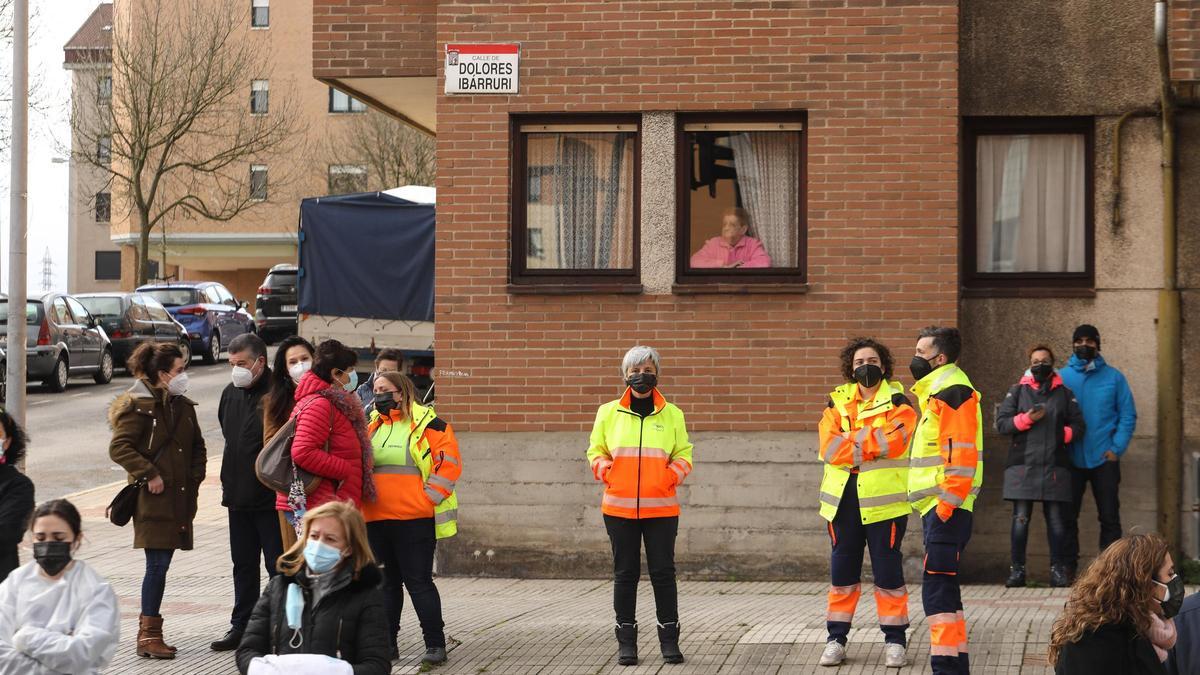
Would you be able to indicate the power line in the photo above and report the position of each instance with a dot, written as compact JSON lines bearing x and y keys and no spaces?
{"x":47,"y":271}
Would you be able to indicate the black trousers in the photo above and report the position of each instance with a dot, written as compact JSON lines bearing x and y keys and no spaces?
{"x":253,"y":536}
{"x":405,"y":549}
{"x":1106,"y":487}
{"x":1056,"y":527}
{"x":626,"y":536}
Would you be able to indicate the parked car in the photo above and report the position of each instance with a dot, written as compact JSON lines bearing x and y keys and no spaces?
{"x":133,"y":318}
{"x":63,"y":340}
{"x":275,"y":304}
{"x":207,"y":310}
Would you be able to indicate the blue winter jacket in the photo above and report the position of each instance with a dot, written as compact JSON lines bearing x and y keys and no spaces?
{"x":1108,"y":409}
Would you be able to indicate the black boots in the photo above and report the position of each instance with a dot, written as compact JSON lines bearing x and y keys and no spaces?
{"x":434,"y":655}
{"x":668,"y":640}
{"x":627,"y":644}
{"x":1059,"y":576}
{"x":1016,"y":577}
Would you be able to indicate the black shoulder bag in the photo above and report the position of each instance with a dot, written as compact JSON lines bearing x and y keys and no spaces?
{"x":121,"y":509}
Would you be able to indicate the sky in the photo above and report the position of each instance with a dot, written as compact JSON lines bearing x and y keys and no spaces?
{"x":53,"y":22}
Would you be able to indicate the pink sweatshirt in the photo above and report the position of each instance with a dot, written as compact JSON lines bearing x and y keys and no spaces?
{"x":716,"y":253}
{"x":1162,"y":635}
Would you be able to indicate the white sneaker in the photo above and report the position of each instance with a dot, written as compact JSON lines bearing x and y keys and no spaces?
{"x":834,"y":654}
{"x":893,"y":655}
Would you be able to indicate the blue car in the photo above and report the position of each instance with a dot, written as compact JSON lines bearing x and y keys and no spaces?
{"x":207,"y":310}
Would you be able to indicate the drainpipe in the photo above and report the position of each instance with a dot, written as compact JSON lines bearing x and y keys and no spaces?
{"x":1170,"y":379}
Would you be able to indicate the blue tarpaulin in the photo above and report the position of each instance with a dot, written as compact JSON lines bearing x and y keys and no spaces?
{"x":366,"y":255}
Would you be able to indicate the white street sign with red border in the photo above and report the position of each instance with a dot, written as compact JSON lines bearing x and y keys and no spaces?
{"x":482,"y":68}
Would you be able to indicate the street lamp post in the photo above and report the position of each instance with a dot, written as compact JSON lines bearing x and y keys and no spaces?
{"x":18,"y":203}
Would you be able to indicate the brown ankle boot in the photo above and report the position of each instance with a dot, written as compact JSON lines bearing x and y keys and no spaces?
{"x":150,"y":638}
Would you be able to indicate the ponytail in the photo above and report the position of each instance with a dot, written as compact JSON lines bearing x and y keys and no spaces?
{"x":149,"y":360}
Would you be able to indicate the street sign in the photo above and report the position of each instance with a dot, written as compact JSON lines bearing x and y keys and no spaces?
{"x":482,"y":68}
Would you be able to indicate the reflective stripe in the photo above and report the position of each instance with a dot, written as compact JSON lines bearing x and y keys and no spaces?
{"x":858,"y":441}
{"x":401,"y":469}
{"x":968,"y":471}
{"x":927,"y":492}
{"x":831,"y":447}
{"x":881,"y":500}
{"x":881,"y":439}
{"x":950,"y":498}
{"x":876,"y":464}
{"x":678,"y":471}
{"x":633,"y":502}
{"x":893,"y":620}
{"x":942,"y":650}
{"x":830,"y":499}
{"x":442,"y":482}
{"x":445,"y":517}
{"x":845,"y":590}
{"x":925,"y":462}
{"x":892,"y":592}
{"x":944,"y":617}
{"x":645,"y":452}
{"x":682,"y":465}
{"x":452,"y":459}
{"x":954,"y":445}
{"x":434,"y":496}
{"x":839,"y":617}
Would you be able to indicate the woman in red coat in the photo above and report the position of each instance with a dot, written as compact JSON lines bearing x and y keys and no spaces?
{"x":331,"y":433}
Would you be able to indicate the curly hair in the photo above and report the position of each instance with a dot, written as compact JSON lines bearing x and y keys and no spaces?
{"x":1117,"y":588}
{"x":885,"y":356}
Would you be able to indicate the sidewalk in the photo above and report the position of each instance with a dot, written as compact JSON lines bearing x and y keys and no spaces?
{"x":564,"y":627}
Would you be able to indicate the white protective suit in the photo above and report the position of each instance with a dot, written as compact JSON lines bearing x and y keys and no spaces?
{"x":50,"y":627}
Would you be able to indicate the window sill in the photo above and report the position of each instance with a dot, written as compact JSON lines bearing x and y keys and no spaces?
{"x":575,"y":289}
{"x":1028,"y":292}
{"x":722,"y":288}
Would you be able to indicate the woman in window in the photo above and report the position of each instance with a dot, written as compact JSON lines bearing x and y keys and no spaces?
{"x":326,"y":603}
{"x":1042,"y":416}
{"x":156,"y":438}
{"x":16,"y":493}
{"x":293,"y":358}
{"x":57,"y":614}
{"x":1118,"y":618}
{"x":640,"y":451}
{"x":734,"y":248}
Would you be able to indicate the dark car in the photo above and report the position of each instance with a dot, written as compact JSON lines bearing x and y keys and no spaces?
{"x":133,"y":318}
{"x":207,"y":310}
{"x":275,"y":304}
{"x":63,"y":340}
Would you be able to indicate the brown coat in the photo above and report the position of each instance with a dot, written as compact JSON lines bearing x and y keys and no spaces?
{"x":145,"y":419}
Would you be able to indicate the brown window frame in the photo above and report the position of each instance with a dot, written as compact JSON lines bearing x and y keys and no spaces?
{"x":524,"y":280}
{"x":740,"y":279}
{"x":976,"y":283}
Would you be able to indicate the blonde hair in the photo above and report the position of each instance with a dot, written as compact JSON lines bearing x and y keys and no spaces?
{"x":408,"y":391}
{"x":352,"y":522}
{"x":1117,"y":588}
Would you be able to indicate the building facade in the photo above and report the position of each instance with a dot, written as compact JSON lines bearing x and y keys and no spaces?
{"x":903,"y":163}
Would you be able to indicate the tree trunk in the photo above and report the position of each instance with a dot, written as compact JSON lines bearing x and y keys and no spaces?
{"x":143,"y":267}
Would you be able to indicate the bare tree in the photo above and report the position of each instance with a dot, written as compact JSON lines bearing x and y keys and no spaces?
{"x":177,"y":138}
{"x":393,"y":152}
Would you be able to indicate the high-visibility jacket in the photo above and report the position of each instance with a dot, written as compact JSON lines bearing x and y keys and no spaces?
{"x":871,"y":439}
{"x":417,"y":465}
{"x":946,"y":456}
{"x":640,"y":460}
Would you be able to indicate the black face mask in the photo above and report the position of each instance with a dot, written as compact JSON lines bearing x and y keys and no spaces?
{"x":384,"y":403}
{"x":1174,"y":599}
{"x":868,"y":375}
{"x":642,"y":382}
{"x":1041,"y":372}
{"x":52,"y":556}
{"x":920,"y":368}
{"x":1085,"y":352}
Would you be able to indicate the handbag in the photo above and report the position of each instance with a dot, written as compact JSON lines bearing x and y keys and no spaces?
{"x":122,"y":507}
{"x":274,"y":466}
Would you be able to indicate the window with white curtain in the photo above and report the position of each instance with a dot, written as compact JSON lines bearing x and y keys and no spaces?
{"x":260,"y":92}
{"x":347,"y":179}
{"x":258,"y":182}
{"x":260,"y":13}
{"x":341,"y":102}
{"x":1030,"y":184}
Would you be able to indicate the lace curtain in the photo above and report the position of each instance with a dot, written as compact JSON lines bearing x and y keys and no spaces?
{"x":768,"y":174}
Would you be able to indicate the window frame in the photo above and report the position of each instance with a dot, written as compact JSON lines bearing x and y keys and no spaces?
{"x":787,"y":278}
{"x":266,"y":96}
{"x":341,"y":169}
{"x":107,"y":201}
{"x":104,"y":89}
{"x":1058,"y":284}
{"x":350,"y":101}
{"x":265,"y":4}
{"x":104,"y":149}
{"x":96,"y":266}
{"x":266,"y":192}
{"x":522,"y":279}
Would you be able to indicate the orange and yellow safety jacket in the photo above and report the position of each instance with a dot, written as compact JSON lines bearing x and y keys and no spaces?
{"x":640,"y":460}
{"x":946,"y":456}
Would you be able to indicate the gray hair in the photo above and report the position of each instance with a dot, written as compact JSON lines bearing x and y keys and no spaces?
{"x":248,"y":342}
{"x":637,"y":356}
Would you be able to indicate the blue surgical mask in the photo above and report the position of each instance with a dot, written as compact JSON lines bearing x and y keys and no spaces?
{"x":321,"y":557}
{"x":294,"y":607}
{"x":353,"y":383}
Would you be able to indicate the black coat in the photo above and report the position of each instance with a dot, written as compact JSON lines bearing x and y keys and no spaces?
{"x":241,"y":417}
{"x":347,"y":623}
{"x":16,"y":505}
{"x":1110,"y":650}
{"x":1039,"y":466}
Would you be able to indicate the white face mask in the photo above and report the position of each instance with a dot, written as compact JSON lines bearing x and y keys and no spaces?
{"x":178,"y":385}
{"x":242,"y":377}
{"x":297,"y":370}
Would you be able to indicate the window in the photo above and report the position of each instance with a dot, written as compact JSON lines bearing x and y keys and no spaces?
{"x":59,"y":314}
{"x":108,"y":265}
{"x":347,"y":178}
{"x":103,"y":207}
{"x":344,"y":103}
{"x":1027,"y":212}
{"x":211,"y":296}
{"x":137,"y":309}
{"x":741,"y":198}
{"x":104,"y":89}
{"x":81,"y":314}
{"x":225,"y":296}
{"x":575,"y":201}
{"x":104,"y":149}
{"x":260,"y":13}
{"x":259,"y":94}
{"x":258,"y":182}
{"x":157,"y":312}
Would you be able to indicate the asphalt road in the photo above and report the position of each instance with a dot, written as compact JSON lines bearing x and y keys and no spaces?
{"x":69,"y":432}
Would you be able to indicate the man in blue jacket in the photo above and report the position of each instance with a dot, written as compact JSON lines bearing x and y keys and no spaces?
{"x":1109,"y":413}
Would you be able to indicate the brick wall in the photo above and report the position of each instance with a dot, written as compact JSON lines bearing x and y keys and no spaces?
{"x":879,"y":81}
{"x":1185,"y":39}
{"x":373,"y":38}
